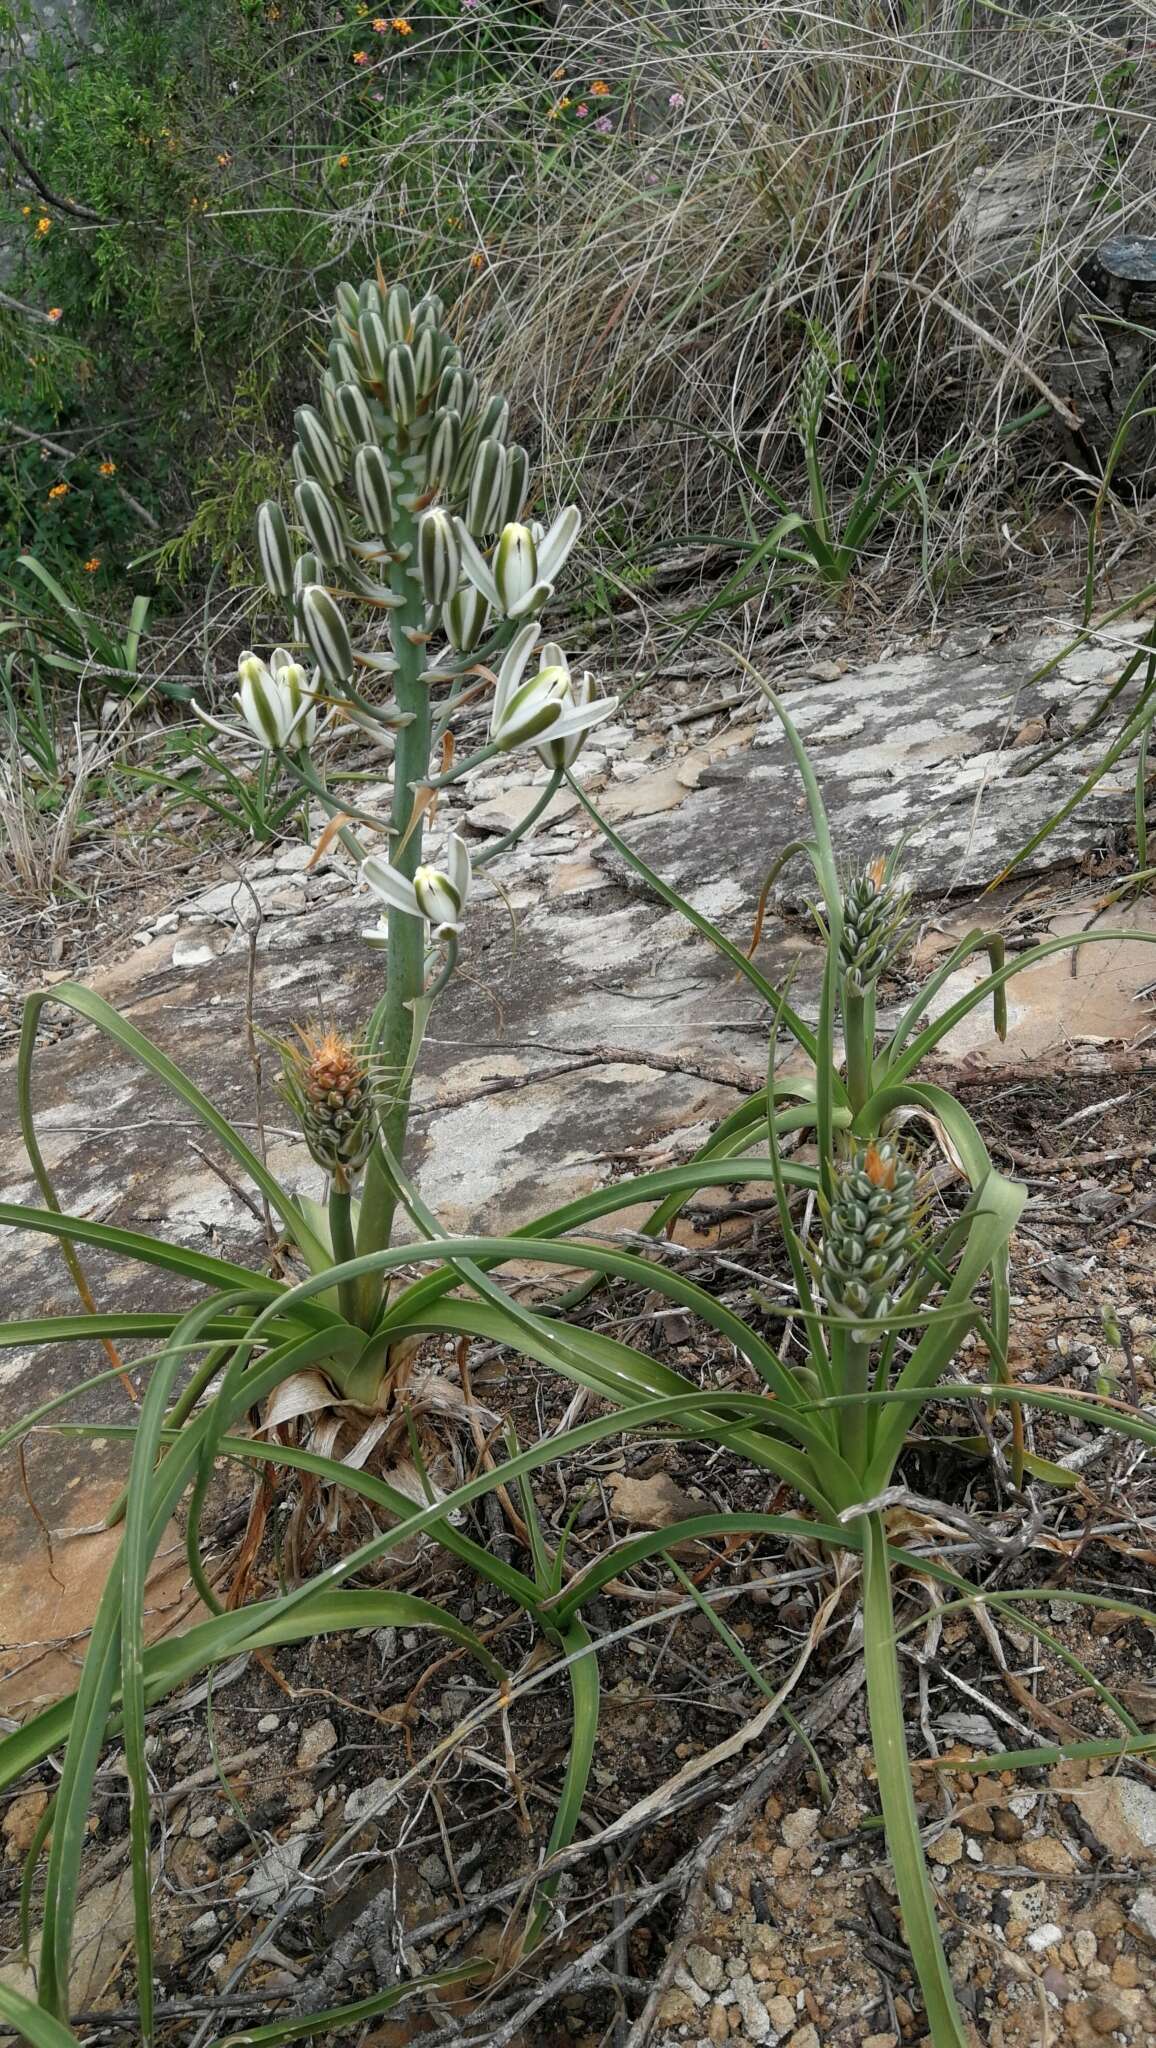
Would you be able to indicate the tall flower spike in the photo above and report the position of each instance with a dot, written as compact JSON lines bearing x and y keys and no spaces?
{"x":438,"y":895}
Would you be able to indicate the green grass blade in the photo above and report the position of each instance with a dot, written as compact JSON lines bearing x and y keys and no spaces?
{"x":801,"y":1032}
{"x":151,"y":1251}
{"x":893,"y":1775}
{"x":928,"y":1039}
{"x":634,"y":1550}
{"x":709,"y":1169}
{"x":94,"y":1008}
{"x":582,"y":1672}
{"x":37,"y":2027}
{"x":320,"y":2026}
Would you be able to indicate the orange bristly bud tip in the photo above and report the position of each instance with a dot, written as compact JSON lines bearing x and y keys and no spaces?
{"x":880,"y":1172}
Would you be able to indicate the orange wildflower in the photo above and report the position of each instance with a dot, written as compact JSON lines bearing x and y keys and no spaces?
{"x":92,"y":565}
{"x":361,"y":56}
{"x":108,"y":469}
{"x":60,"y":490}
{"x":477,"y":259}
{"x":402,"y":26}
{"x":54,"y":314}
{"x":44,"y":224}
{"x":600,"y":88}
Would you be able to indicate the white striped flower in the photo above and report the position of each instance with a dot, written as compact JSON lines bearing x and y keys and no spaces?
{"x":582,"y":694}
{"x":520,"y":574}
{"x":438,"y":895}
{"x":547,"y":706}
{"x":278,"y":704}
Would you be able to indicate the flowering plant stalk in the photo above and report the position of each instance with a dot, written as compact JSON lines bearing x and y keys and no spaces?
{"x":407,"y":520}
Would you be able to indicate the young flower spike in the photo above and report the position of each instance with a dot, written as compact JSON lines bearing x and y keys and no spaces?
{"x":546,"y":706}
{"x":436,"y":894}
{"x":326,"y":1084}
{"x":582,"y":693}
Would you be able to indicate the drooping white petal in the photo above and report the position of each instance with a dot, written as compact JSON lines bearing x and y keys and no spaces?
{"x":533,"y":601}
{"x":394,"y":890}
{"x":474,"y":563}
{"x":557,"y":543}
{"x":510,"y":674}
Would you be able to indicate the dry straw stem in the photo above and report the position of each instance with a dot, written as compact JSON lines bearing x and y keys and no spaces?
{"x":648,"y":298}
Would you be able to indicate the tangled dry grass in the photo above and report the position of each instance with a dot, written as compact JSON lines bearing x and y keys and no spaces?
{"x":911,"y":181}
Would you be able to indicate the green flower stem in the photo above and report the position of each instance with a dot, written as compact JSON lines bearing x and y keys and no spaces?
{"x":307,"y":773}
{"x":859,"y":1049}
{"x":893,"y":1772}
{"x":532,"y":816}
{"x":855,"y":1419}
{"x":344,"y":1245}
{"x":460,"y":768}
{"x":405,"y":954}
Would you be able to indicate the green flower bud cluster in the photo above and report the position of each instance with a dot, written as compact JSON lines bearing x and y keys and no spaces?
{"x":874,"y":910}
{"x":403,"y":459}
{"x":325,"y":1081}
{"x":870,"y":1241}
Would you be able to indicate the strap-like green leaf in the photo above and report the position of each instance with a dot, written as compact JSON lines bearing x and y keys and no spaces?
{"x":87,"y":1004}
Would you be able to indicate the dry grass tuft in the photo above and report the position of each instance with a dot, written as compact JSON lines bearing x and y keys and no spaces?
{"x":912,"y":181}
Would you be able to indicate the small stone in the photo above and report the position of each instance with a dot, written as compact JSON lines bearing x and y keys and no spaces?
{"x":1084,"y":1943}
{"x":798,"y":1827}
{"x":677,"y":2010}
{"x":755,"y":2018}
{"x":1104,"y":2019}
{"x":267,"y":1723}
{"x":881,"y":2041}
{"x":318,"y":1742}
{"x":1045,"y":1937}
{"x":191,"y":951}
{"x":1026,"y":1908}
{"x":295,"y":860}
{"x":433,"y":1870}
{"x":1048,"y":1856}
{"x":201,"y":1931}
{"x":806,"y":2037}
{"x":369,"y":1800}
{"x":1143,"y":1912}
{"x":1121,"y":1813}
{"x":205,"y":1824}
{"x":781,"y":2013}
{"x":275,"y":1873}
{"x":1125,"y":1974}
{"x":948,"y":1847}
{"x":21,"y":1822}
{"x":705,"y":1967}
{"x":1006,"y":1825}
{"x":717,"y":2024}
